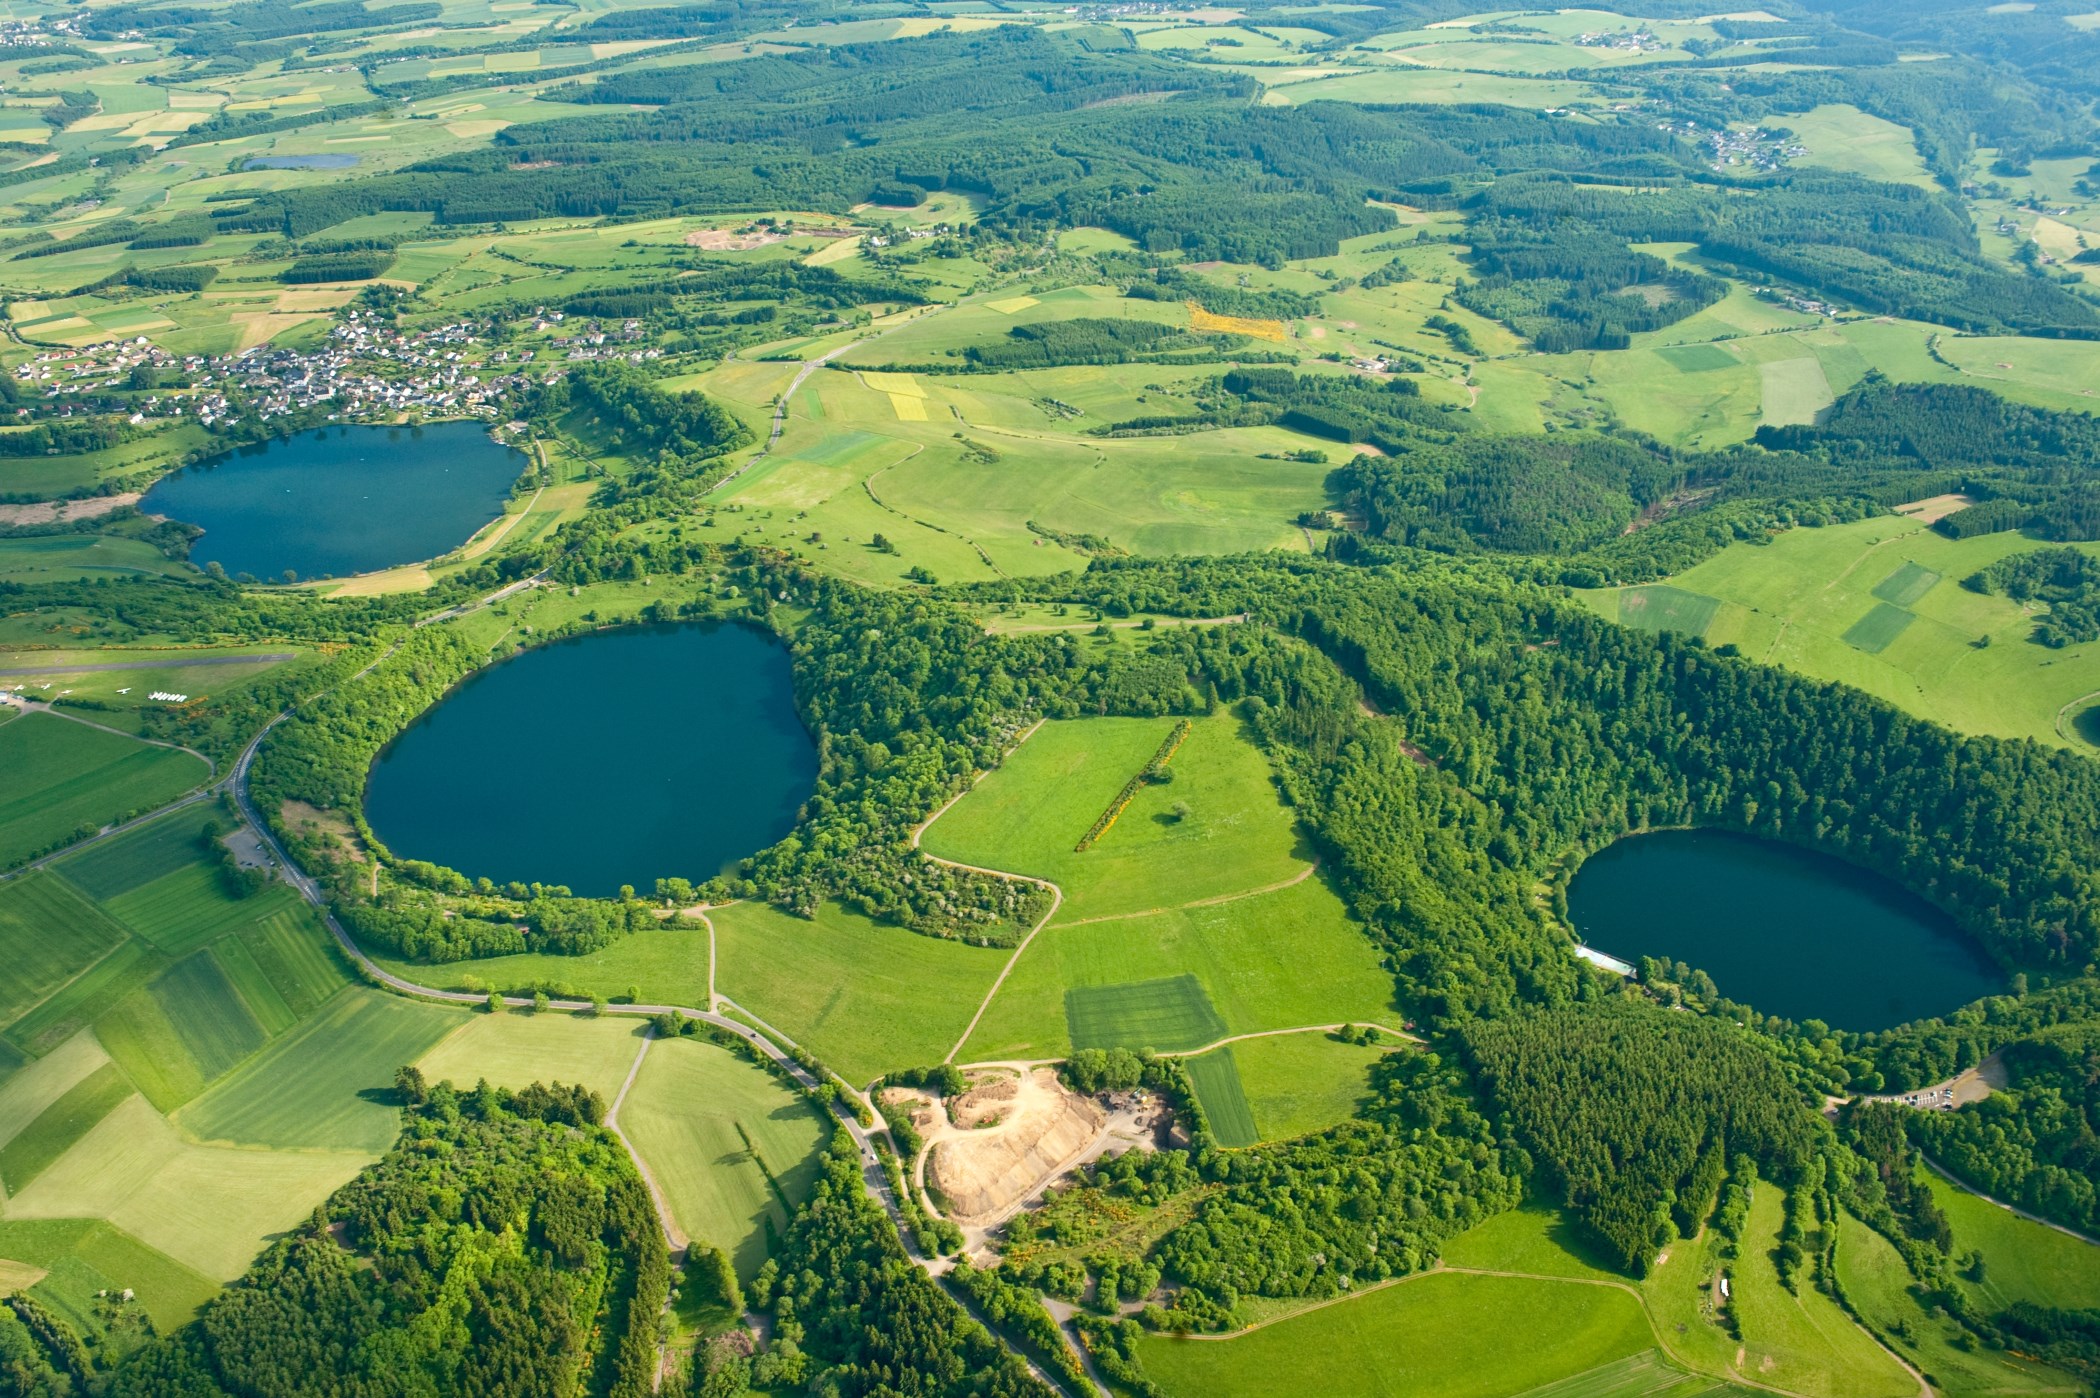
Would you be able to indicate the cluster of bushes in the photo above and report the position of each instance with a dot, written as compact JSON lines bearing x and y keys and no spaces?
{"x":1154,"y":770}
{"x":2067,"y":579}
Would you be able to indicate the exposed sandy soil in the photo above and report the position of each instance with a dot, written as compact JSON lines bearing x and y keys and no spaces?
{"x":51,"y":511}
{"x":1037,"y":1128}
{"x":1935,"y":508}
{"x":722,"y":240}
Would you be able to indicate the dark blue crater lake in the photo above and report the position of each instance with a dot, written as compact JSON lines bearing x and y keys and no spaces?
{"x":622,"y":756}
{"x":1791,"y":932}
{"x":341,"y":500}
{"x":333,"y":160}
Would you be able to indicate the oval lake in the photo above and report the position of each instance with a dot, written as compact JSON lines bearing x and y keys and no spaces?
{"x":618,"y":757}
{"x":341,"y":500}
{"x":1790,"y":932}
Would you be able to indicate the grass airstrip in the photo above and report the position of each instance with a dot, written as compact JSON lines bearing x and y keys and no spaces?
{"x":1879,"y":605}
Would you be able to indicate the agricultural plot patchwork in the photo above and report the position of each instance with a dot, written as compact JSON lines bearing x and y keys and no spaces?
{"x":1875,"y":605}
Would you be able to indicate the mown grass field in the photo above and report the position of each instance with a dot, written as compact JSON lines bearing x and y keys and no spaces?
{"x":865,"y":997}
{"x":719,"y":1135}
{"x":1028,"y":815}
{"x":1216,"y":1078}
{"x":37,"y":1083}
{"x":1825,"y":602}
{"x":516,"y":1050}
{"x":48,"y":935}
{"x":1169,"y":1014}
{"x":1277,"y":960}
{"x":83,"y":1256}
{"x":1430,"y":1337}
{"x":327,"y":1085}
{"x":64,"y":775}
{"x":60,"y":1125}
{"x":184,"y":1028}
{"x":1296,"y":1084}
{"x":208,"y":1207}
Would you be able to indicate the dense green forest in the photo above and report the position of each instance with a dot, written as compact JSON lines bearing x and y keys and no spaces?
{"x":2038,"y":1143}
{"x":1635,"y":1116}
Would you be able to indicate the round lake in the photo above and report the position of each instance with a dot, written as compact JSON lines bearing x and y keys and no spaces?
{"x":341,"y":500}
{"x":1793,"y":933}
{"x":618,"y":757}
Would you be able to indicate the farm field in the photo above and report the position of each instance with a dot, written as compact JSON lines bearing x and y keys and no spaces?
{"x":1817,"y":601}
{"x":65,"y":776}
{"x":1027,"y":815}
{"x":328,"y":1084}
{"x":208,"y":1207}
{"x":80,"y":1257}
{"x":515,"y":1050}
{"x":1276,"y":960}
{"x":731,"y":1147}
{"x":865,"y":997}
{"x":1296,"y":1084}
{"x":48,"y":935}
{"x":1216,"y":1078}
{"x":1418,"y":1337}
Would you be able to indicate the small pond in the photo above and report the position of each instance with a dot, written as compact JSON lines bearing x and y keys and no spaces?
{"x":341,"y":500}
{"x":621,"y":756}
{"x":1793,"y":933}
{"x":332,"y":160}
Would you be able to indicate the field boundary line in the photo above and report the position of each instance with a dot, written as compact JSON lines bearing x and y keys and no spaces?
{"x":1057,"y":895}
{"x":676,"y":1235}
{"x":1293,"y":881}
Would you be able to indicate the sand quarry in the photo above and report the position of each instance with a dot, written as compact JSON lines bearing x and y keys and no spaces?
{"x":1001,"y":1142}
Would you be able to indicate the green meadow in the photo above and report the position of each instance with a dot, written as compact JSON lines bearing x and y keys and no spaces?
{"x":1027,"y":816}
{"x":1296,"y":1084}
{"x":731,"y":1147}
{"x":2023,"y":1260}
{"x":1879,"y":605}
{"x":865,"y":997}
{"x":1425,"y":1337}
{"x":1276,"y":960}
{"x":64,"y":776}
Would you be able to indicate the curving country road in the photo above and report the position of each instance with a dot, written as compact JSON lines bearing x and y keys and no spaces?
{"x":873,"y":1177}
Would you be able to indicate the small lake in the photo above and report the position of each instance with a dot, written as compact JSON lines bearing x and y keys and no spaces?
{"x":621,"y":756}
{"x":334,"y":160}
{"x":1793,"y":933}
{"x":341,"y":500}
